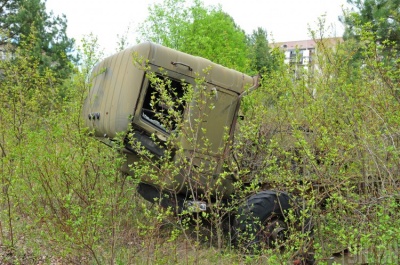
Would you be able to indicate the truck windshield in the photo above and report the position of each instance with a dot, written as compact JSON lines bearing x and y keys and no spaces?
{"x":163,"y":105}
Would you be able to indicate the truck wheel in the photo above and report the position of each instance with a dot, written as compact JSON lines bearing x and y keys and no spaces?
{"x":260,"y":221}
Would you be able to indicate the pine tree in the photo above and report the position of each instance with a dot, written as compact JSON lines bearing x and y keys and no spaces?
{"x":381,"y":17}
{"x":23,"y":21}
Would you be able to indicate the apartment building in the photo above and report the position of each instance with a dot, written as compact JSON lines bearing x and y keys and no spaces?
{"x":302,"y":52}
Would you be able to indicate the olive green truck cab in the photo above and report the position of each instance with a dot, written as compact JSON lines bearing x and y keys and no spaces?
{"x":120,"y":99}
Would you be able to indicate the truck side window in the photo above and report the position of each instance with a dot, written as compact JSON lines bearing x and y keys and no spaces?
{"x":156,"y":109}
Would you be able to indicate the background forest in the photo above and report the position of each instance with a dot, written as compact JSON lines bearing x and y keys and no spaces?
{"x":331,"y":136}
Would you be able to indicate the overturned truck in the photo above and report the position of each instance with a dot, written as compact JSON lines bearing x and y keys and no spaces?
{"x":123,"y":99}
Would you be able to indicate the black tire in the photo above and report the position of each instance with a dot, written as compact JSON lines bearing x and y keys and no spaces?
{"x":261,"y":220}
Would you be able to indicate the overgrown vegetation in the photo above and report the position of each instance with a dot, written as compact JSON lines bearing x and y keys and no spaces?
{"x":328,"y":137}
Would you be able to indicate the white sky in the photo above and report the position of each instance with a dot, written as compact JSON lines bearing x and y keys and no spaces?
{"x":284,"y":20}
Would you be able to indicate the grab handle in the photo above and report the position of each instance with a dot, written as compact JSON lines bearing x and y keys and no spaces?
{"x":188,"y":66}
